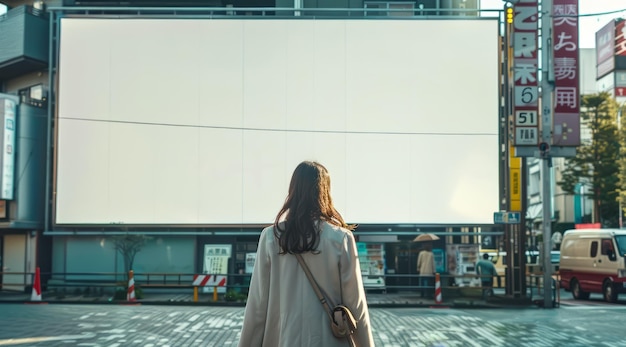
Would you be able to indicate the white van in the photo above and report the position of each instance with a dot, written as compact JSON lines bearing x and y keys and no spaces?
{"x":593,"y":261}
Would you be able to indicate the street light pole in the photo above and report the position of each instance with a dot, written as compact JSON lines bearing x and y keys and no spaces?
{"x":546,"y":138}
{"x":619,"y":136}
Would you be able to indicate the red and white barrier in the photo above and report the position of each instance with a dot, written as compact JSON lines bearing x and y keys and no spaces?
{"x":36,"y":294}
{"x":438,"y":299}
{"x":205,"y":281}
{"x":209,"y":281}
{"x":130,"y":296}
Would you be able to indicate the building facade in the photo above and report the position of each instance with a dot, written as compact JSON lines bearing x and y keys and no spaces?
{"x":602,"y":69}
{"x":76,"y":242}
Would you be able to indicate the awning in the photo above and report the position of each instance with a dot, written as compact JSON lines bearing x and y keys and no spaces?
{"x":534,"y":211}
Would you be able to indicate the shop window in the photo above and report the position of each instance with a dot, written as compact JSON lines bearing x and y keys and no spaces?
{"x":391,"y":9}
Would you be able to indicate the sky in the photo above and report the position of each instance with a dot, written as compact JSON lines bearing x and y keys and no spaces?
{"x":589,"y":25}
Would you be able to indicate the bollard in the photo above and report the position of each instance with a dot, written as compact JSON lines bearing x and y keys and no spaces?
{"x":36,"y":294}
{"x":437,"y":289}
{"x":195,"y":294}
{"x":130,"y":296}
{"x":215,"y":293}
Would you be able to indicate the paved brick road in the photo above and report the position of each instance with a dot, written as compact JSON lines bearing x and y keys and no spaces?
{"x":162,"y":326}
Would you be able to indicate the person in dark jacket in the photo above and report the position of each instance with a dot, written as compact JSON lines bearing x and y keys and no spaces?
{"x":486,"y":270}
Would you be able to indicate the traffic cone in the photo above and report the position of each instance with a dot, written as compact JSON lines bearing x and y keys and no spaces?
{"x":130,"y":296}
{"x":36,"y":294}
{"x":438,"y":299}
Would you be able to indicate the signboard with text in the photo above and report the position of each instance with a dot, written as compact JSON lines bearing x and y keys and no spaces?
{"x":620,"y":58}
{"x":216,"y":258}
{"x":8,"y":109}
{"x":620,"y":38}
{"x":525,"y":63}
{"x":505,"y":217}
{"x":515,"y":182}
{"x":605,"y":59}
{"x":566,"y":120}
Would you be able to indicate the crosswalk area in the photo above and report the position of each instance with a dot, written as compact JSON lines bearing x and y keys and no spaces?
{"x":168,"y":326}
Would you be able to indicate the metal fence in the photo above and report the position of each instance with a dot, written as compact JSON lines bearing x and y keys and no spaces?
{"x":153,"y":282}
{"x":183,"y":282}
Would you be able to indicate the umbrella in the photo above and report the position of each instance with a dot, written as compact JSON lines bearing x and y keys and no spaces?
{"x":426,"y":237}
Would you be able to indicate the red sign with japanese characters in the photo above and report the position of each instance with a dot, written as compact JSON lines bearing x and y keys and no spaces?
{"x":566,"y":73}
{"x":525,"y":90}
{"x":620,"y":38}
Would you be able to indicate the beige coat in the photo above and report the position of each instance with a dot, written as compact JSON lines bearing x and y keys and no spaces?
{"x":426,"y":262}
{"x":282,"y":308}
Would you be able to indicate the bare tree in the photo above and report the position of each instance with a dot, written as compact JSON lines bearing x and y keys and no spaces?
{"x":129,"y":245}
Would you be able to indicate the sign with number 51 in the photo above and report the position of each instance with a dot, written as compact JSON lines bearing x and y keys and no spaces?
{"x":525,"y":117}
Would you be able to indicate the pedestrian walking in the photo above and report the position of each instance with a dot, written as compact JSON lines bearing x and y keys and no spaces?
{"x":426,"y":268}
{"x":486,"y":270}
{"x":282,"y":307}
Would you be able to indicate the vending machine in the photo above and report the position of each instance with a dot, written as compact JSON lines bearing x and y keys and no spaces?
{"x":462,"y":260}
{"x":439,"y":256}
{"x":372,"y":261}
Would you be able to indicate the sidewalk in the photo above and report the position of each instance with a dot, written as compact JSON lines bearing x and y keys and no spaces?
{"x":406,"y":299}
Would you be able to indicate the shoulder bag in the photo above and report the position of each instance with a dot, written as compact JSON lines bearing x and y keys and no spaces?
{"x":342,"y":322}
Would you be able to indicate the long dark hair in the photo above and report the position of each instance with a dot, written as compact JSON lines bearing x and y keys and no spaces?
{"x":307,"y":202}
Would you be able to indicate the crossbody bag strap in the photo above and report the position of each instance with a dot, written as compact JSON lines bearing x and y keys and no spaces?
{"x":315,"y":286}
{"x":320,"y":296}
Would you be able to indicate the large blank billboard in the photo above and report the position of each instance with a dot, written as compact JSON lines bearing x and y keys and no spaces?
{"x":202,"y":122}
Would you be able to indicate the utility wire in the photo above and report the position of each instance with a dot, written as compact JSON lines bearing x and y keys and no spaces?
{"x":281,"y":130}
{"x":590,"y":14}
{"x":601,"y":13}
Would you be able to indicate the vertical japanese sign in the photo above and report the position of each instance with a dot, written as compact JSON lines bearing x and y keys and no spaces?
{"x":250,"y":260}
{"x":216,"y":259}
{"x":8,"y":108}
{"x":620,"y":52}
{"x":525,"y":91}
{"x":566,"y":73}
{"x":620,"y":38}
{"x":515,"y":184}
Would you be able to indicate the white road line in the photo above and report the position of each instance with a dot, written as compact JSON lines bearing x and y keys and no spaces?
{"x":593,"y":307}
{"x":11,"y":342}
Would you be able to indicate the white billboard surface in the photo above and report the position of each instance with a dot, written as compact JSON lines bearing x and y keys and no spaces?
{"x":202,"y":122}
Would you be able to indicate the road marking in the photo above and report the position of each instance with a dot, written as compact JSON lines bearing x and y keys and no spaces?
{"x":11,"y":342}
{"x":598,"y":308}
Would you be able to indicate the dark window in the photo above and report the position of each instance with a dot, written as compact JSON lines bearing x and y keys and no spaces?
{"x":594,"y":249}
{"x":607,"y":245}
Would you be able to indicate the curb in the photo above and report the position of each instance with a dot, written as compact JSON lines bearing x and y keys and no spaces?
{"x":453,"y":305}
{"x":375,"y":302}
